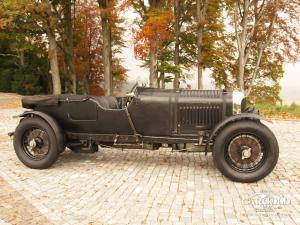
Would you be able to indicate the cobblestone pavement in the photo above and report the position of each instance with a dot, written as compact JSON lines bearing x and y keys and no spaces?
{"x":146,"y":187}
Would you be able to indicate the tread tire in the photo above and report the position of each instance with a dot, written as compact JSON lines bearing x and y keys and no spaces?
{"x":53,"y":153}
{"x":270,"y":147}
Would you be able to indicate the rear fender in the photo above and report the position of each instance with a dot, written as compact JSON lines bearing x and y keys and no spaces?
{"x":60,"y":137}
{"x":231,"y":119}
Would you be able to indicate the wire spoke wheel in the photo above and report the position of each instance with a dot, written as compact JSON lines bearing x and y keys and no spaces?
{"x":245,"y":152}
{"x":35,"y":142}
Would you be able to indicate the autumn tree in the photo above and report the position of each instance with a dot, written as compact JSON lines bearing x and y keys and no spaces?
{"x":23,"y":56}
{"x":9,"y":12}
{"x":197,"y":27}
{"x":67,"y":38}
{"x":88,"y":47}
{"x":182,"y":40}
{"x":43,"y":13}
{"x":253,"y":57}
{"x":105,"y":6}
{"x":177,"y":16}
{"x":265,"y":32}
{"x":57,"y":21}
{"x":201,"y":6}
{"x":154,"y":29}
{"x":61,"y":13}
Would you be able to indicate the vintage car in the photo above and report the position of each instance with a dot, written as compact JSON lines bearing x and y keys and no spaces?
{"x":243,"y":148}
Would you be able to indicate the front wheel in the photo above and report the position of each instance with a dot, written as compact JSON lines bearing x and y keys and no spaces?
{"x":245,"y":151}
{"x":35,"y":143}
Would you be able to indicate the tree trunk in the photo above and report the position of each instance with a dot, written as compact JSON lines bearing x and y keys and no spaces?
{"x":54,"y":70}
{"x":200,"y":74}
{"x":199,"y":56}
{"x":241,"y":71}
{"x":242,"y":39}
{"x":153,"y":52}
{"x":260,"y":52}
{"x":68,"y":44}
{"x":106,"y":52}
{"x":162,"y":78}
{"x":176,"y":50}
{"x":107,"y":61}
{"x":153,"y":69}
{"x":201,"y":6}
{"x":261,"y":46}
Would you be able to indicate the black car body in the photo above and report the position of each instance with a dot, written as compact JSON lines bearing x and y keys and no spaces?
{"x":149,"y":117}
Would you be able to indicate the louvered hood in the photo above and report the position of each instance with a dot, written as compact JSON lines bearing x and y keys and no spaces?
{"x":202,"y":109}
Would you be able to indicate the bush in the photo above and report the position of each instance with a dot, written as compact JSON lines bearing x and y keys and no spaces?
{"x":5,"y":80}
{"x":24,"y":82}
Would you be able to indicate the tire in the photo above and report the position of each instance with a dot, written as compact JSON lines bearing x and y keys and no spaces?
{"x":40,"y":131}
{"x":233,"y":145}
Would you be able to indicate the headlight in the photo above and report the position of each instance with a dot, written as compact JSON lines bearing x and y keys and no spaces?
{"x":237,"y":98}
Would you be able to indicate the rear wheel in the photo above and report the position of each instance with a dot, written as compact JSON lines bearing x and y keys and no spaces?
{"x":35,"y":143}
{"x":245,"y":151}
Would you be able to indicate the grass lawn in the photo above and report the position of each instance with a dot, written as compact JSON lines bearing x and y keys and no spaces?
{"x":286,"y":112}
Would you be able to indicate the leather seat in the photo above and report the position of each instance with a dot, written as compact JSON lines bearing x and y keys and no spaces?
{"x":107,"y":102}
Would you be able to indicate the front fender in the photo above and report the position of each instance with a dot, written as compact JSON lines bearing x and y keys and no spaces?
{"x":231,"y":119}
{"x":60,"y":137}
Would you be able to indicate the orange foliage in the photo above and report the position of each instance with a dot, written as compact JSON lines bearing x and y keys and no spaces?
{"x":125,"y":4}
{"x":113,"y":11}
{"x":87,"y":47}
{"x":96,"y":90}
{"x":153,"y":33}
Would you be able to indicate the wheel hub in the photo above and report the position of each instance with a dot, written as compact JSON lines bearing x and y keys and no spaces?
{"x":245,"y":151}
{"x":36,"y":143}
{"x":32,"y":144}
{"x":39,"y":142}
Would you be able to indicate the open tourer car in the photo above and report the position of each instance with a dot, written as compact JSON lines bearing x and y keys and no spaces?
{"x":244,"y":149}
